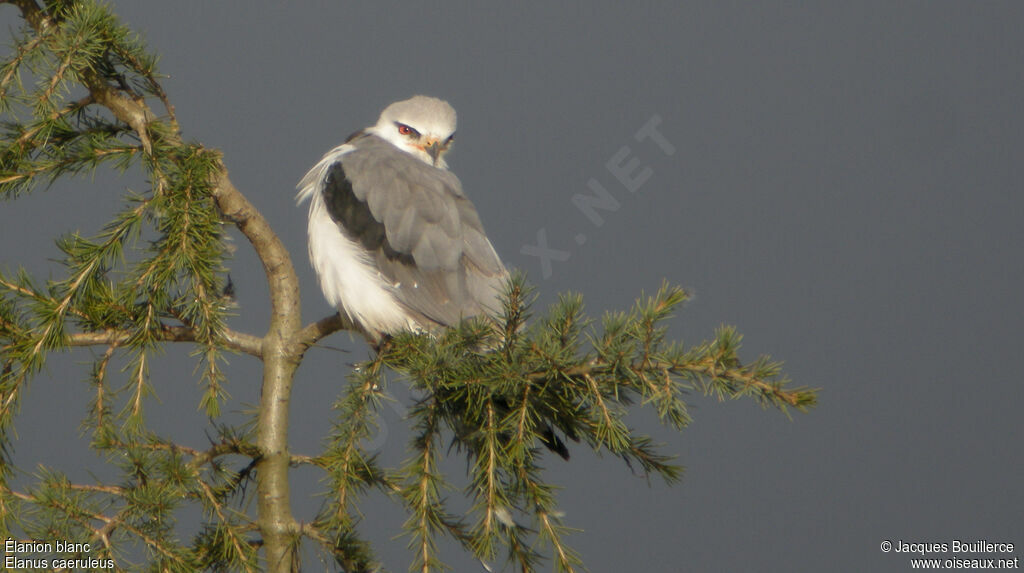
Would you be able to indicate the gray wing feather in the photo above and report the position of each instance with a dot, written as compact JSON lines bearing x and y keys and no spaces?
{"x":424,"y":235}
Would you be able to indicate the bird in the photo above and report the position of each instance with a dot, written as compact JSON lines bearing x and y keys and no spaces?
{"x":395,"y":242}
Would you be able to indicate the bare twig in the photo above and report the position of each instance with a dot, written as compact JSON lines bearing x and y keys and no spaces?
{"x":314,"y":332}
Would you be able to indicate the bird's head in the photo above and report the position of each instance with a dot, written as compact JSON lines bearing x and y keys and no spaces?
{"x":421,"y":126}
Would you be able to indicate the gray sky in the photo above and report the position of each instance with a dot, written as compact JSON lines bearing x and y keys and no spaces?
{"x":845,"y":188}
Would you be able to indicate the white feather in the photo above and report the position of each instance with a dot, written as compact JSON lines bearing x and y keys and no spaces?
{"x":349,"y":280}
{"x":312,"y":182}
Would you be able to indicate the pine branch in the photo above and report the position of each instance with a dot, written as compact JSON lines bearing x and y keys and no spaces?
{"x":351,"y":470}
{"x":421,"y":494}
{"x":235,"y":549}
{"x":279,"y":349}
{"x":53,"y":496}
{"x":234,"y":340}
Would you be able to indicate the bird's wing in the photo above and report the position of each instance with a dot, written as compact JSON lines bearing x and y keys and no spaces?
{"x":421,"y":231}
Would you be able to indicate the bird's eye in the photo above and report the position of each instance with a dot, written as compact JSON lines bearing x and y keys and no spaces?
{"x":450,"y":139}
{"x":406,"y":130}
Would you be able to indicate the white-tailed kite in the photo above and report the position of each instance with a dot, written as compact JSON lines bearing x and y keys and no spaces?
{"x":394,"y":240}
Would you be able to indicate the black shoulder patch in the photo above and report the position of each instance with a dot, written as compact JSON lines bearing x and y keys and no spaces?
{"x":354,"y":216}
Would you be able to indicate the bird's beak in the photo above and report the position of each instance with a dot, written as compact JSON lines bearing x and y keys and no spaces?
{"x":434,"y":149}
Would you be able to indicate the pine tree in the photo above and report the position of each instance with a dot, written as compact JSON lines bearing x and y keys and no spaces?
{"x":78,"y":91}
